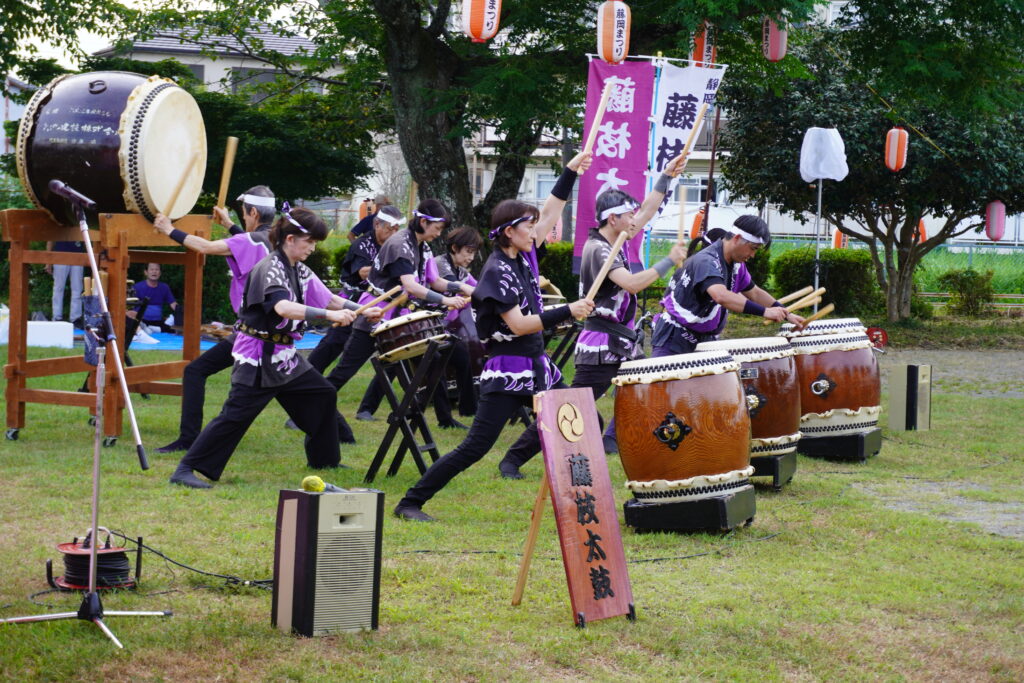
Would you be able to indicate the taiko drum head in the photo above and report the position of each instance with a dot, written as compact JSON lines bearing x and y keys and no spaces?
{"x":121,"y":139}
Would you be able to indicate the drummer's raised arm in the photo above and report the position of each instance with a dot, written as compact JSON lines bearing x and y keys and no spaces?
{"x":560,"y":194}
{"x":193,"y":242}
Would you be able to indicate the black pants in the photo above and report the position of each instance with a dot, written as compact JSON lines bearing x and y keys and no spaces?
{"x":459,"y":360}
{"x":598,"y":378}
{"x":492,"y":413}
{"x":308,"y":399}
{"x":193,"y":386}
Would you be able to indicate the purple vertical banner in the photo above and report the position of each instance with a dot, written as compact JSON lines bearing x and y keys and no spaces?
{"x":622,"y":145}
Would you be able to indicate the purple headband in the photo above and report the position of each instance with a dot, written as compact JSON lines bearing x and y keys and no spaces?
{"x":493,"y":234}
{"x":429,"y":218}
{"x":287,"y":211}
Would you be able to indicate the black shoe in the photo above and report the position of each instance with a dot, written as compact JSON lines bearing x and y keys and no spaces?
{"x":365,"y":416}
{"x":451,"y":424}
{"x":412,"y":513}
{"x":509,"y":470}
{"x":175,"y":446}
{"x":290,"y":424}
{"x":610,"y":445}
{"x":184,"y":476}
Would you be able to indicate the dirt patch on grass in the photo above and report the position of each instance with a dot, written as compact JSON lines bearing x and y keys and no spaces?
{"x":972,"y":373}
{"x":943,"y":500}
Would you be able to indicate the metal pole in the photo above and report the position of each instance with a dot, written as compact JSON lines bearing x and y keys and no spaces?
{"x":817,"y":242}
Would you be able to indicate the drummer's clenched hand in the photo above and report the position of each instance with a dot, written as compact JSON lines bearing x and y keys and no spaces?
{"x":796,"y":320}
{"x":776,"y":313}
{"x":581,"y":162}
{"x":677,"y":254}
{"x":373,"y":313}
{"x":467,"y":289}
{"x":220,"y":214}
{"x":676,"y":166}
{"x":454,"y":301}
{"x":342,"y":317}
{"x":163,"y":224}
{"x":581,"y":308}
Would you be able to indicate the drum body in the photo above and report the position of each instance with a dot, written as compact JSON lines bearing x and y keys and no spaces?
{"x":840,"y":386}
{"x":682,"y":427}
{"x":121,"y":139}
{"x":407,"y":336}
{"x":770,"y":382}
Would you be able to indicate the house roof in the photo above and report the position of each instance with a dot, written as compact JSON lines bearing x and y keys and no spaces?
{"x":170,"y":42}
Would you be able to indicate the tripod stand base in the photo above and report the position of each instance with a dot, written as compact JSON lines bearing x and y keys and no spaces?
{"x":91,"y":609}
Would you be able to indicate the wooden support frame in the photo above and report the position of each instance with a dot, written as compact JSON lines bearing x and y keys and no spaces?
{"x":120,"y":240}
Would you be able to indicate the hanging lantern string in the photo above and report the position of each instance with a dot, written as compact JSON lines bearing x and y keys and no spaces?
{"x":893,"y":109}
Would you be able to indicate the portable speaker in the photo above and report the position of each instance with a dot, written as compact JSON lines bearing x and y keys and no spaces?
{"x":327,"y":561}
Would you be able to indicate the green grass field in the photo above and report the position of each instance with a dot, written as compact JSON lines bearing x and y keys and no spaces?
{"x":853,"y":571}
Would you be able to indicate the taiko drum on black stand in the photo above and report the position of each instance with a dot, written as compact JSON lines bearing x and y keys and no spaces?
{"x":684,"y":440}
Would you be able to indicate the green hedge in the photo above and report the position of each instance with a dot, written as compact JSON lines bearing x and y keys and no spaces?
{"x":970,"y":291}
{"x":556,"y":265}
{"x":845,"y":273}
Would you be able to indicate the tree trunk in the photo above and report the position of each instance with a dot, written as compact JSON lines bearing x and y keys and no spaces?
{"x":513,"y":156}
{"x":420,"y":67}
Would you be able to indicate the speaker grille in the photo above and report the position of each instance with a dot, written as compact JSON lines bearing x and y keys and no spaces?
{"x":344,"y":581}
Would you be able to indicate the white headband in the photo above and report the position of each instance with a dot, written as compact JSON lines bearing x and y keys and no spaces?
{"x":253,"y":200}
{"x":617,"y":210}
{"x":381,"y":216}
{"x":753,"y":239}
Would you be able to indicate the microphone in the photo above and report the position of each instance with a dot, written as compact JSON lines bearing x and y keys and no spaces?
{"x":72,"y":195}
{"x":315,"y":484}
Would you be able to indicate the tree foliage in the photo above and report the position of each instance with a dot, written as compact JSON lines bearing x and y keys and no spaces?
{"x":968,"y":160}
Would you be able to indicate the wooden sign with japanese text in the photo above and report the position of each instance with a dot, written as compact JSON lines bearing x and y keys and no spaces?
{"x":585,"y":511}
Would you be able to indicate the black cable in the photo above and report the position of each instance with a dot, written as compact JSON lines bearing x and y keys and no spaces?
{"x":112,"y":569}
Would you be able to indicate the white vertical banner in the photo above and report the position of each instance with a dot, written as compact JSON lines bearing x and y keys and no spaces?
{"x":681,"y":91}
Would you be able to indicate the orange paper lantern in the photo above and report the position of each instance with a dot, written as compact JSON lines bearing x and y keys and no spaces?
{"x":922,"y":234}
{"x":704,"y":51}
{"x":698,"y":223}
{"x":995,"y":220}
{"x":480,"y":19}
{"x":613,"y":22}
{"x":774,"y":39}
{"x":896,"y":141}
{"x":839,"y":240}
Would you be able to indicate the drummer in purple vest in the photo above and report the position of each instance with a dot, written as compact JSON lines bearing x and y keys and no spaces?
{"x":243,"y":250}
{"x":711,"y":283}
{"x":510,"y":318}
{"x":355,"y":270}
{"x":406,"y":260}
{"x":609,"y":336}
{"x":282,"y":295}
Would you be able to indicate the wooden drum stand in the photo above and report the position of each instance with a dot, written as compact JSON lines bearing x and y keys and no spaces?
{"x":117,"y":245}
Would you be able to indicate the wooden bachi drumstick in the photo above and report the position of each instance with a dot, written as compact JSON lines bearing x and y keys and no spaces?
{"x":373,"y":302}
{"x":225,"y":174}
{"x":598,"y":115}
{"x":796,"y":295}
{"x":181,"y":183}
{"x":394,"y":304}
{"x":809,"y":300}
{"x":693,"y":135}
{"x":822,"y":312}
{"x":603,"y":273}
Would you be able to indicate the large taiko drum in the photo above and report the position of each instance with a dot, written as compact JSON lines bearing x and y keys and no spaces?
{"x":840,"y":386}
{"x":682,"y":427}
{"x":119,"y":138}
{"x":407,"y":336}
{"x":769,"y":376}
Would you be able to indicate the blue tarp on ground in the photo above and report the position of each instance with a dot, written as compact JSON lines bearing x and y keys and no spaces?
{"x":173,"y":342}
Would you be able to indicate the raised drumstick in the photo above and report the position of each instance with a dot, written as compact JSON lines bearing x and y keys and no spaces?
{"x":225,"y":174}
{"x":181,"y":183}
{"x":603,"y":273}
{"x":394,"y":304}
{"x":373,"y":302}
{"x":796,"y":295}
{"x":596,"y":123}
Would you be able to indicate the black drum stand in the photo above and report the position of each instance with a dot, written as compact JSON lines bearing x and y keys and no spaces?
{"x":779,"y":467}
{"x":856,"y":447}
{"x":714,"y":514}
{"x":406,"y":416}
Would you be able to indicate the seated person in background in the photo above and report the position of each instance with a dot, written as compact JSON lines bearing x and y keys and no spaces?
{"x":158,"y":294}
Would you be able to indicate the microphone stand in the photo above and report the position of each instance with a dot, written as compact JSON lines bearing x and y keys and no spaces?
{"x":91,"y":608}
